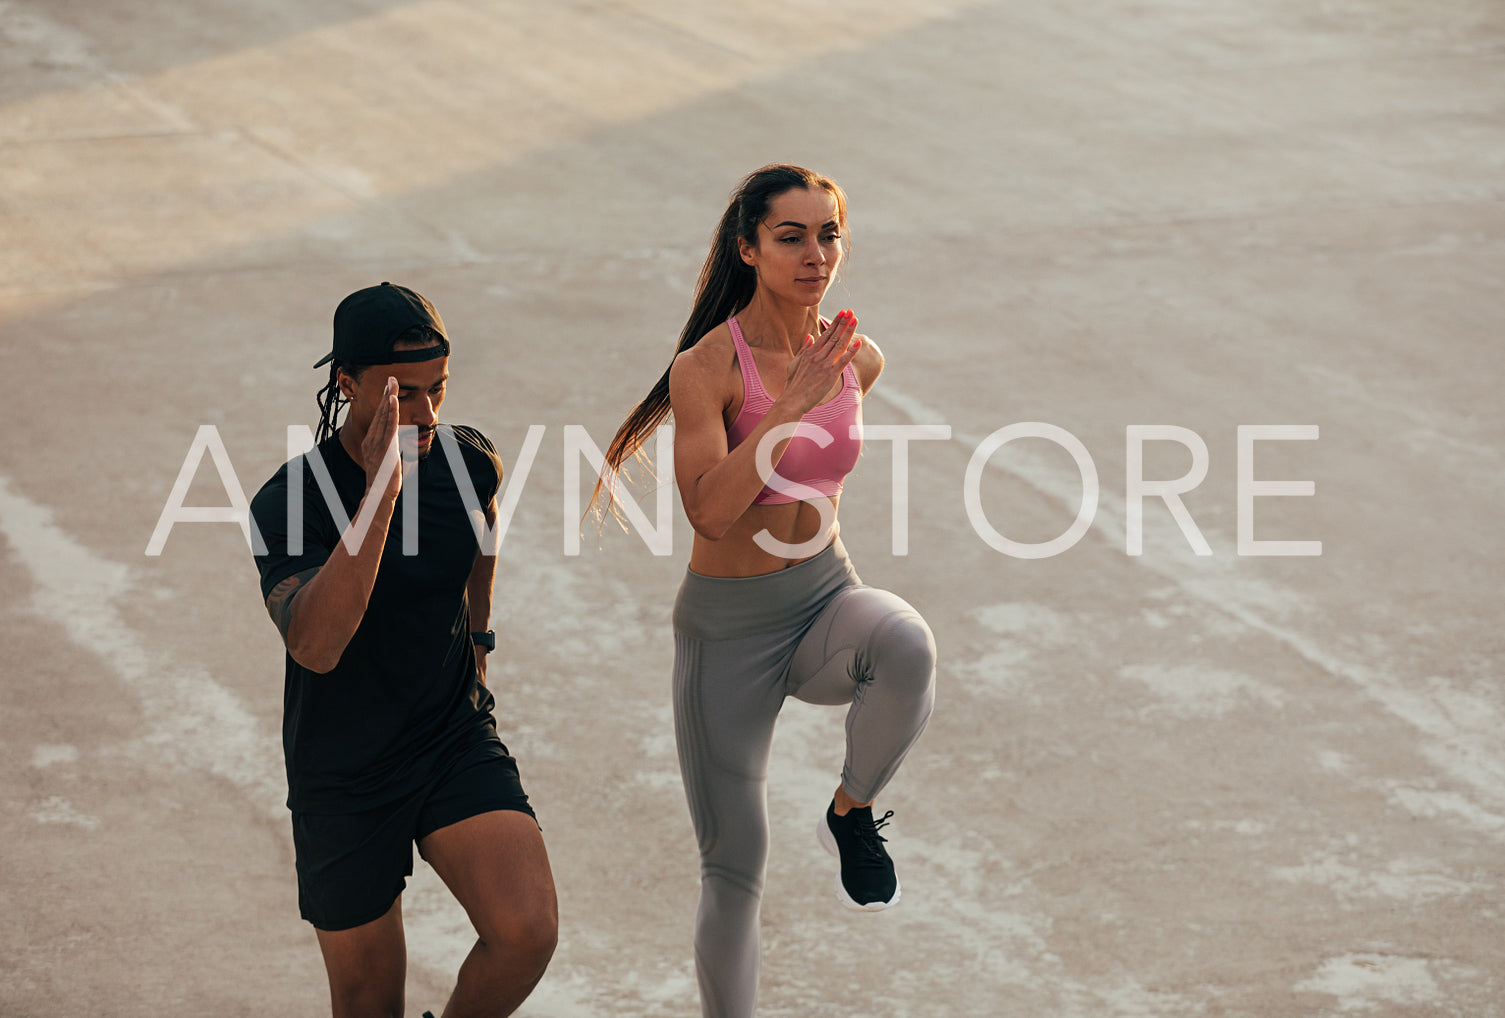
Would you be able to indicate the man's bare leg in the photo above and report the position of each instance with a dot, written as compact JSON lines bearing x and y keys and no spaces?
{"x":367,"y":967}
{"x":495,"y":864}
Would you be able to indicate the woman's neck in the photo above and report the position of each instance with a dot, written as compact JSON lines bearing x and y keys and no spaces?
{"x":770,"y":322}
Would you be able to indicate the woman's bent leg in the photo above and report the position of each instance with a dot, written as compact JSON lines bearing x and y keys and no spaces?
{"x":869,"y":648}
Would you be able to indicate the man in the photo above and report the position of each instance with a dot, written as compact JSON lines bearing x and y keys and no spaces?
{"x":377,"y":583}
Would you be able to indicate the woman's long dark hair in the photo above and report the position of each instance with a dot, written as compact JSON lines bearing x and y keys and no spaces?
{"x":726,"y":286}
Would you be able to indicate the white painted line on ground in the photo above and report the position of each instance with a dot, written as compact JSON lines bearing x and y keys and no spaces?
{"x":195,"y":722}
{"x":200,"y":725}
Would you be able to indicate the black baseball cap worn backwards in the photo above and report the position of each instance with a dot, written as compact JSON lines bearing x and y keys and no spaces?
{"x":368,"y":322}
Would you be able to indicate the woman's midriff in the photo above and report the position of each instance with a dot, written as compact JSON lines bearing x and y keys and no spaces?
{"x":737,"y":554}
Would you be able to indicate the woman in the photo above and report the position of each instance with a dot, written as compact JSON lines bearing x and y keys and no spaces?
{"x":771,"y":606}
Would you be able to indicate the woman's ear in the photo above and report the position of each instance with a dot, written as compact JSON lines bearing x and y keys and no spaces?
{"x":748,"y":251}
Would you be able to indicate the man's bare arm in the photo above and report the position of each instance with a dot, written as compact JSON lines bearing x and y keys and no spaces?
{"x":282,"y":601}
{"x":478,"y":589}
{"x":331,"y":603}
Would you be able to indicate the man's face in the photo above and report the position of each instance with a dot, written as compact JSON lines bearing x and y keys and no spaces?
{"x":420,"y":392}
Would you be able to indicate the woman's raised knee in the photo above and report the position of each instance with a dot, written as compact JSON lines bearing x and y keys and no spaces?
{"x":903,"y":650}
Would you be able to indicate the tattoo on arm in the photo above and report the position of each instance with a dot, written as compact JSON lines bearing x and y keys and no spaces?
{"x":281,"y":602}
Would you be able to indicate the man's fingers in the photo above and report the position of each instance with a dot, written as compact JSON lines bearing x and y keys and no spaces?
{"x":386,"y":420}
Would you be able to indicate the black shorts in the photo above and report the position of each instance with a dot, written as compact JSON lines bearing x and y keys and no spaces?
{"x":352,"y":867}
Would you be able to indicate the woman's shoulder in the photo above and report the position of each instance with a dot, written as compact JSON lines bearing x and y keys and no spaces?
{"x":713,"y":352}
{"x":706,"y":371}
{"x":868,"y":363}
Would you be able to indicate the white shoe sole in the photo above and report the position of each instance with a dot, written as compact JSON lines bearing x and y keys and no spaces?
{"x":828,"y":842}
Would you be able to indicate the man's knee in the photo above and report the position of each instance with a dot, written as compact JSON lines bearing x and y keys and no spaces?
{"x":374,"y":995}
{"x":543,"y":936}
{"x":526,"y":938}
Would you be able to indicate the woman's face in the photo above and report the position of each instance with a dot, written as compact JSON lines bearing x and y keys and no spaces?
{"x":799,"y":246}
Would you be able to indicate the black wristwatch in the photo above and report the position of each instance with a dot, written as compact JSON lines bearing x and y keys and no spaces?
{"x":486,"y":640}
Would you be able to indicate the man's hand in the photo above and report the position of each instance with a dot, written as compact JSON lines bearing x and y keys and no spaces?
{"x":379,"y":452}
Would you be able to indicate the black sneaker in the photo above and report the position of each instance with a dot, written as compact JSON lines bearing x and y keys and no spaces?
{"x":866,"y":881}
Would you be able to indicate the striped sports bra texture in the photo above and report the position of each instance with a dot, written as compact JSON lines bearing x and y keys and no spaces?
{"x":817,"y":469}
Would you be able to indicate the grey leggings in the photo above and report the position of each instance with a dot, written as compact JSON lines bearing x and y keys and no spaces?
{"x":741,"y":645}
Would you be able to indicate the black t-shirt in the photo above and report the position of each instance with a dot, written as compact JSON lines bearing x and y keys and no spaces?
{"x":405,"y":696}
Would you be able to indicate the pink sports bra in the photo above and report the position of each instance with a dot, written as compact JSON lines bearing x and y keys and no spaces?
{"x":805,"y":461}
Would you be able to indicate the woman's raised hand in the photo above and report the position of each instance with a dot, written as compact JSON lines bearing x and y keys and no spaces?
{"x":821,"y":361}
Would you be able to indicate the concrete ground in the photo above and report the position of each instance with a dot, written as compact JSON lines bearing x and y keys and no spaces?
{"x":1155,"y":786}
